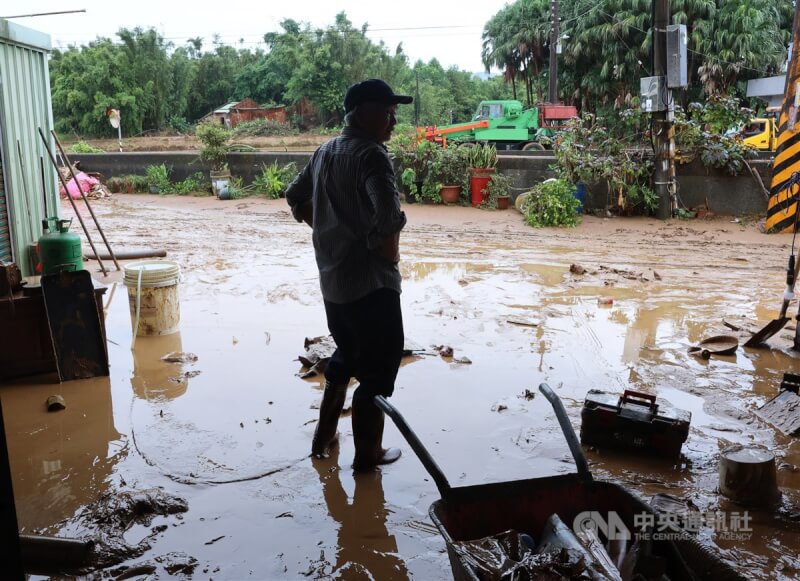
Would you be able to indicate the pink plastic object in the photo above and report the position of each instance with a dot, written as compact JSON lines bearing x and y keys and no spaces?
{"x":86,"y":182}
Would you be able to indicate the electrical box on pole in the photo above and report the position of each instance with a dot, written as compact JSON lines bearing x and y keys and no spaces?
{"x":677,"y":69}
{"x":653,"y":94}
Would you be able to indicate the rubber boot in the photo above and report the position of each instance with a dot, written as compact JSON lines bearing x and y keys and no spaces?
{"x":368,"y":421}
{"x":325,"y":435}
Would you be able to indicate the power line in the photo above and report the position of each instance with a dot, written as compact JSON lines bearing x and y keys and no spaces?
{"x":43,"y":14}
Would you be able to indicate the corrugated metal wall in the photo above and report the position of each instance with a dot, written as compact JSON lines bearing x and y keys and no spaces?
{"x":24,"y":107}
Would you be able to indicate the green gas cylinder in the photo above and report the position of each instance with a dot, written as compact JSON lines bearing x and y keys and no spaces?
{"x":59,"y":249}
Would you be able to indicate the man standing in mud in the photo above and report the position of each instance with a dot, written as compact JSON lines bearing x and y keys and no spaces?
{"x":348,"y":195}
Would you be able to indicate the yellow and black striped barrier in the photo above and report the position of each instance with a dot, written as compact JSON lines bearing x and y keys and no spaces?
{"x":782,"y":207}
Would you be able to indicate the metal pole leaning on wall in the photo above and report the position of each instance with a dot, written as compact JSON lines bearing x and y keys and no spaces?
{"x":85,"y":199}
{"x":71,"y":201}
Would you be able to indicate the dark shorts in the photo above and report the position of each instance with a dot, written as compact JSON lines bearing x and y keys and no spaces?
{"x":369,"y":342}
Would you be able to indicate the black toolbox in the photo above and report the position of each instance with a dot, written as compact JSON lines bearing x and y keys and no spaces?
{"x":635,"y":421}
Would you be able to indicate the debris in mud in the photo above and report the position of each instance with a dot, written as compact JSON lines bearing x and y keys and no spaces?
{"x":56,"y":403}
{"x":184,"y":376}
{"x":175,"y":563}
{"x":319,"y":350}
{"x":463,"y":360}
{"x":212,"y":541}
{"x":114,"y":513}
{"x":180,"y":357}
{"x":508,"y":555}
{"x":783,"y":412}
{"x":444,"y":350}
{"x":577,"y":269}
{"x":528,"y":395}
{"x":499,"y":407}
{"x":605,"y":301}
{"x":522,"y":322}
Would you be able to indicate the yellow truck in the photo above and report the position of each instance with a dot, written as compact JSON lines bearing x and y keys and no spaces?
{"x":761,"y":133}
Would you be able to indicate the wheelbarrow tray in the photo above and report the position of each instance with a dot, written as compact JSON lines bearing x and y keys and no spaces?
{"x":475,"y":512}
{"x":470,"y":513}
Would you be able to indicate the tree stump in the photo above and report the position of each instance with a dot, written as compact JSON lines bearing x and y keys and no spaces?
{"x":747,"y":475}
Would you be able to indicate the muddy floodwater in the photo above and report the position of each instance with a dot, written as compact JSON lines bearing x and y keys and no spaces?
{"x":230,"y":432}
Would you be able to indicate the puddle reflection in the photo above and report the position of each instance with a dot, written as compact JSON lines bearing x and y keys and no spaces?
{"x":156,"y":379}
{"x":365,"y":547}
{"x":60,"y":459}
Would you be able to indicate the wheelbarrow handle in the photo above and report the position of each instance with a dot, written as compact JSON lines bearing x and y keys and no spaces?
{"x":422,"y":453}
{"x":569,"y":433}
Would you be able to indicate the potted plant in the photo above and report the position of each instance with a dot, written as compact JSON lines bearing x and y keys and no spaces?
{"x":482,"y":165}
{"x":215,"y":153}
{"x":415,"y":159}
{"x":450,"y":169}
{"x":497,"y":193}
{"x":157,"y":179}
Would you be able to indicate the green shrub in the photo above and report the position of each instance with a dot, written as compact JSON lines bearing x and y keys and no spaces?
{"x":214,"y":138}
{"x":262,"y":128}
{"x":83,"y":147}
{"x":180,"y":125}
{"x":552,"y":203}
{"x":158,"y":175}
{"x":274,"y":179}
{"x":194,"y":184}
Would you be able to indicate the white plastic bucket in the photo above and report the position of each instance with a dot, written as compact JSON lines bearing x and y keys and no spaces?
{"x":153,"y":297}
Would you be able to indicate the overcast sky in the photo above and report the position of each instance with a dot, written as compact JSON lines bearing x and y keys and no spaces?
{"x":449,"y":30}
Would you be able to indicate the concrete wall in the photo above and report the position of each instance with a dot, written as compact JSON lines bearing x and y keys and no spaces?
{"x":725,"y":194}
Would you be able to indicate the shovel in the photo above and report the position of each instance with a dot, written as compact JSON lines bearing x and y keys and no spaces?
{"x":774,"y":327}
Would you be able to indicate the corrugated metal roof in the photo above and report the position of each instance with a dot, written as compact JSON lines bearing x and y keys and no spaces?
{"x":226,"y":108}
{"x":25,"y":106}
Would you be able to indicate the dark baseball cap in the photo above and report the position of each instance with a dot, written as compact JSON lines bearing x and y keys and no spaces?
{"x":372,"y":91}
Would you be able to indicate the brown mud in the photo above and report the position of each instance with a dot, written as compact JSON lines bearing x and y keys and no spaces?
{"x":230,"y":431}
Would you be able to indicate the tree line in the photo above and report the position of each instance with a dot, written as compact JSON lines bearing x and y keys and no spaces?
{"x":157,"y":85}
{"x":607,"y":47}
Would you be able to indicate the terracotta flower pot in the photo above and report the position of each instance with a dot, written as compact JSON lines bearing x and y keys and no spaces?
{"x":450,"y":194}
{"x":502,"y":202}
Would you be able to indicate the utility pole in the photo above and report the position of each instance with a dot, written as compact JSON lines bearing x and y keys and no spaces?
{"x":664,"y":174}
{"x":552,"y":94}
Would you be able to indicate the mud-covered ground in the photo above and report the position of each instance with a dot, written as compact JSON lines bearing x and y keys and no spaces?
{"x":230,"y":433}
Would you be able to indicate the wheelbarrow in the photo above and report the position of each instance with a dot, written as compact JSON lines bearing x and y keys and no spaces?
{"x":469,"y":513}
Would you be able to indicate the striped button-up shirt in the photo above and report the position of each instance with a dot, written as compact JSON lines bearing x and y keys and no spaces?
{"x":356,"y":206}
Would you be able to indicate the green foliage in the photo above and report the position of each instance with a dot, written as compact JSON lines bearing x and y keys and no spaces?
{"x":410,"y":153}
{"x":587,"y":151}
{"x":552,"y":203}
{"x":695,"y":138}
{"x":130,"y":184}
{"x":194,"y":184}
{"x":482,"y":155}
{"x":720,"y":113}
{"x":499,"y":186}
{"x":451,"y":167}
{"x":608,"y":46}
{"x":180,"y":125}
{"x":262,"y":127}
{"x":83,"y":147}
{"x":214,"y":139}
{"x":158,"y":176}
{"x":274,"y":179}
